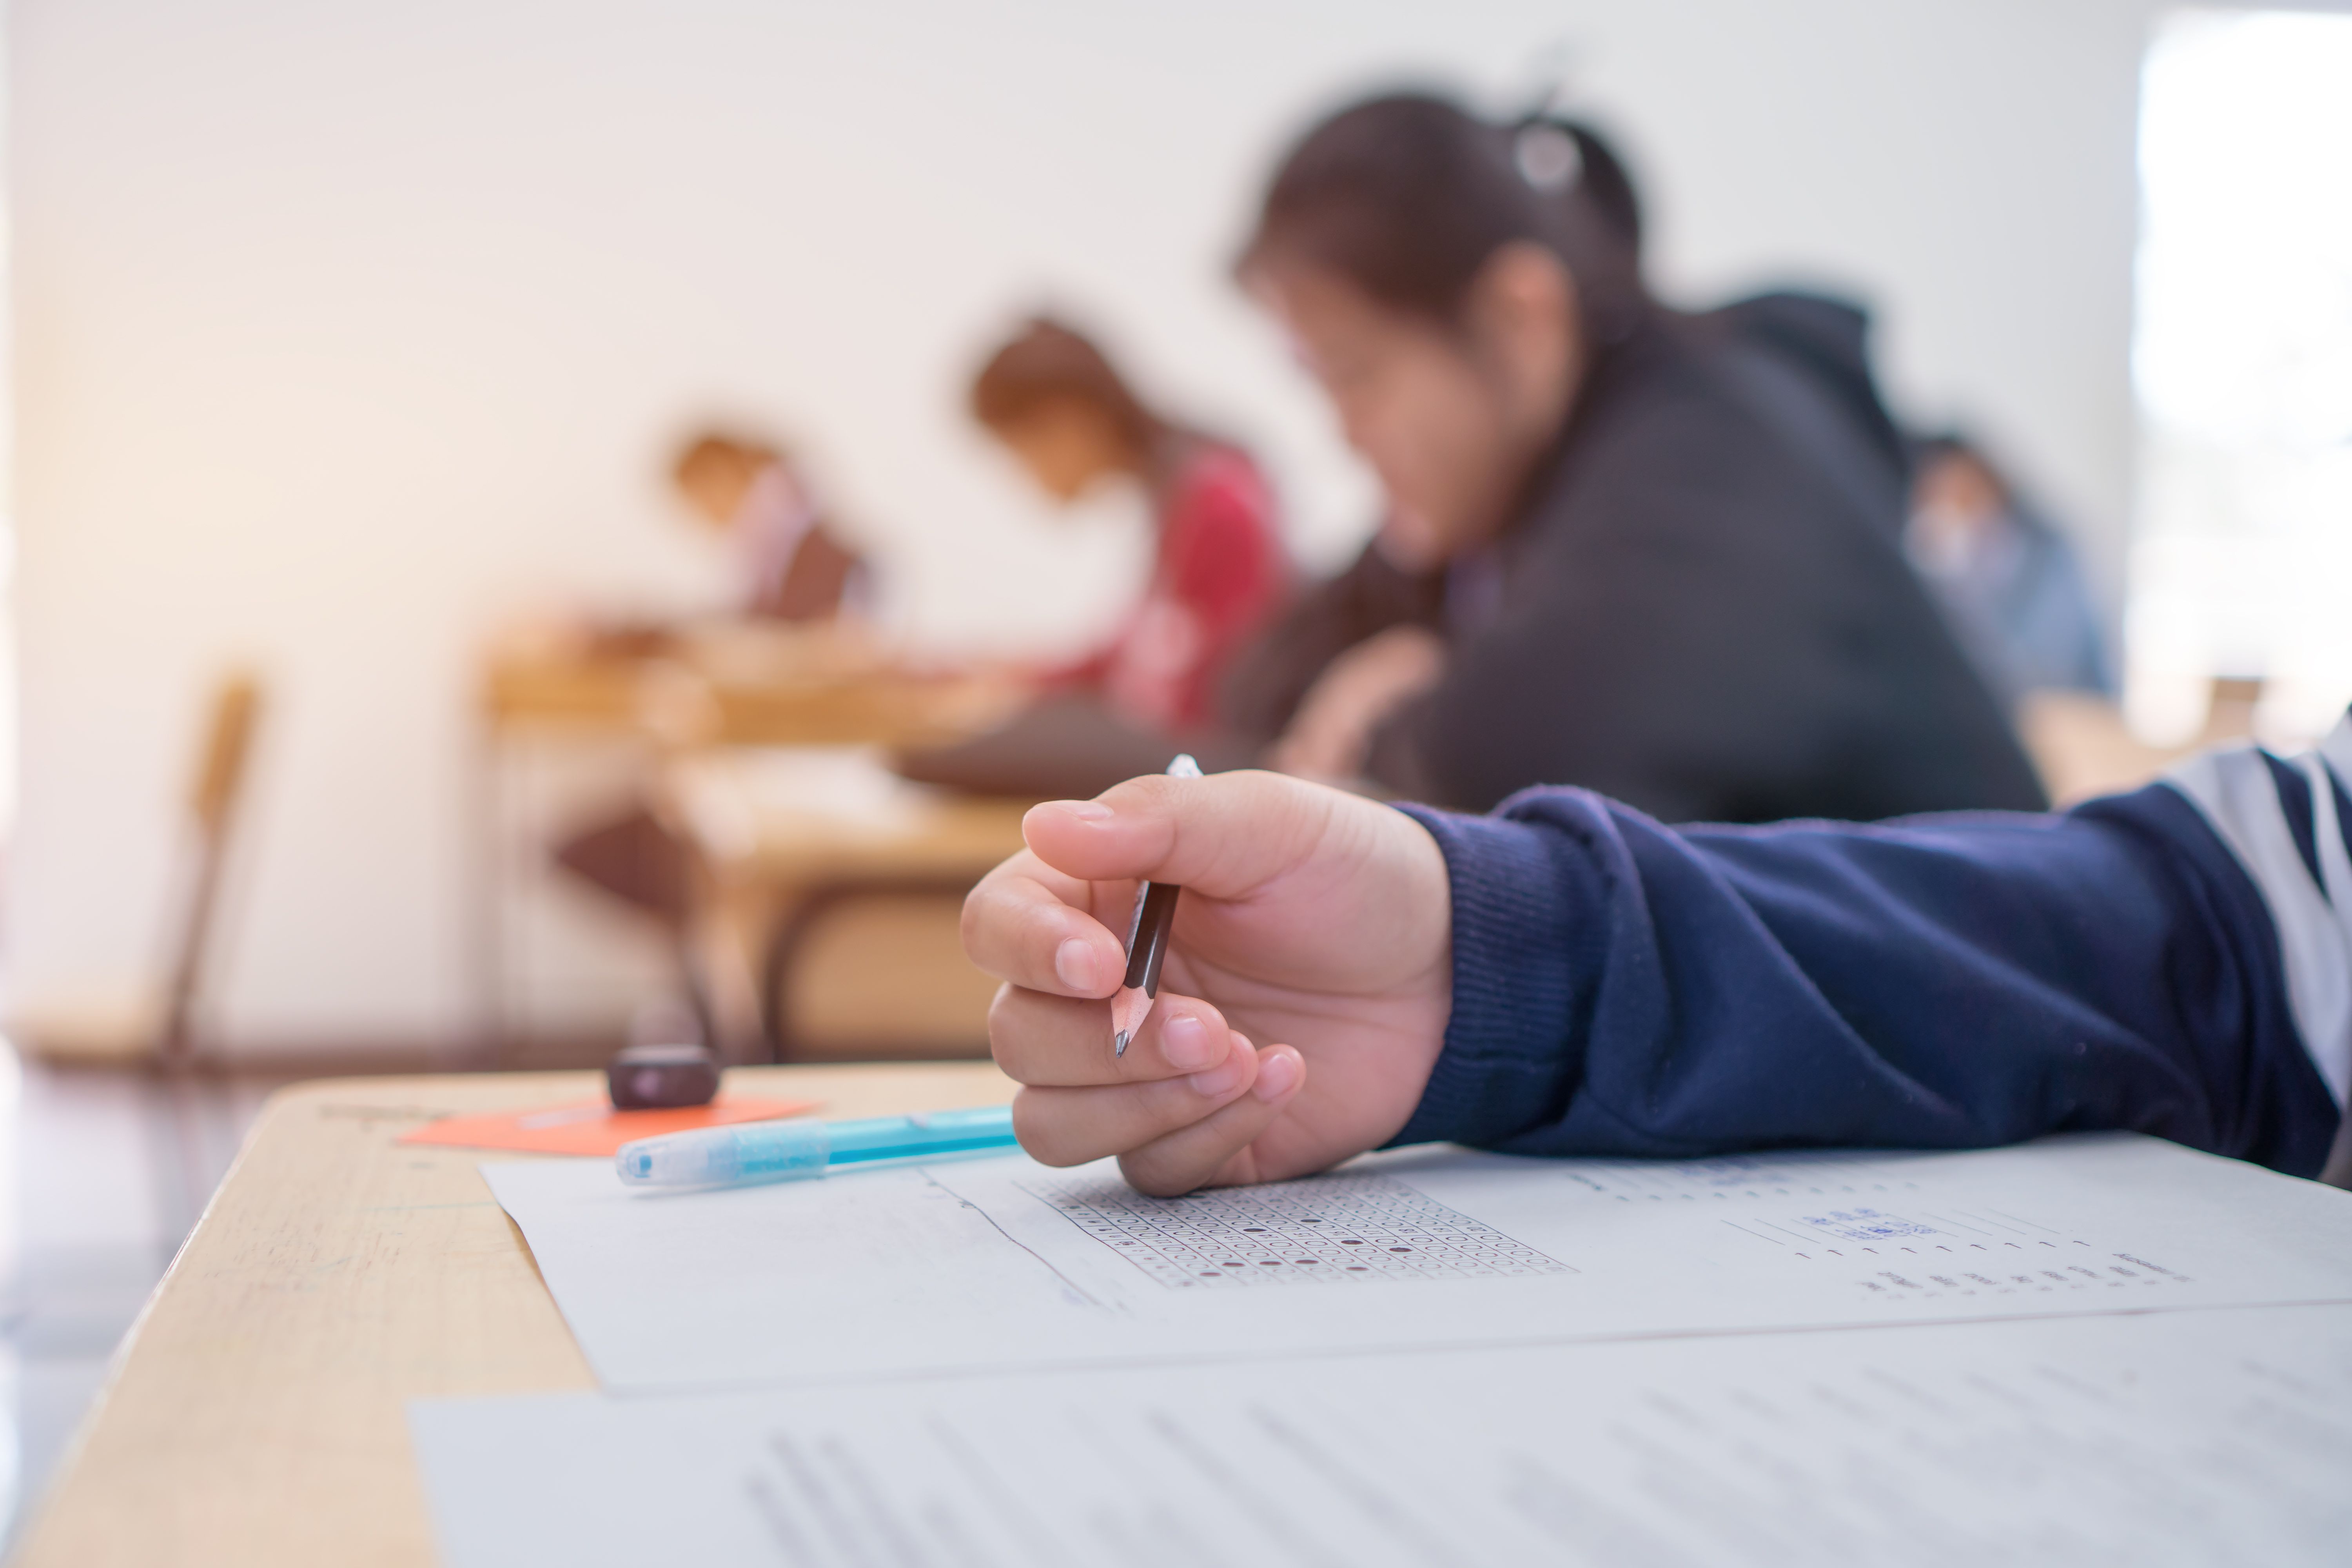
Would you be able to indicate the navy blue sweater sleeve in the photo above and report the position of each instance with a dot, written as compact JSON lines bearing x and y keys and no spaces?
{"x":1948,"y":981}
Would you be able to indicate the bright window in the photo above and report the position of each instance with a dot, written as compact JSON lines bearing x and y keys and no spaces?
{"x":2242,"y":563}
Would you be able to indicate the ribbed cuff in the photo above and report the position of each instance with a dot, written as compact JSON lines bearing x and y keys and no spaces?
{"x":1523,"y":895}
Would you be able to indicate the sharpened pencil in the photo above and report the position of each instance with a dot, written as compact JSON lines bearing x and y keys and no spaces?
{"x":1147,"y":941}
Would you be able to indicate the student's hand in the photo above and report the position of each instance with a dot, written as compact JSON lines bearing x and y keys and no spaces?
{"x":1330,"y":737}
{"x":1314,"y":921}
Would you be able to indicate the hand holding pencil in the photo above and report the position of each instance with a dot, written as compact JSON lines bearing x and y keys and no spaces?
{"x":1311,"y":920}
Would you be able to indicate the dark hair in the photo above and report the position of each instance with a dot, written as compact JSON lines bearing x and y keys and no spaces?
{"x":1408,"y":195}
{"x":1047,"y":363}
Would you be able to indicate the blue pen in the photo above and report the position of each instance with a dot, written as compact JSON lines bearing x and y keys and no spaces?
{"x":787,"y":1150}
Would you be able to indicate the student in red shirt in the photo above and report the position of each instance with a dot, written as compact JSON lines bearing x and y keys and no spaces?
{"x":1219,"y":571}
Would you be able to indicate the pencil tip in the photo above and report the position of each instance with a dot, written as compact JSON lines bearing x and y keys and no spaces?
{"x":1127,"y":1011}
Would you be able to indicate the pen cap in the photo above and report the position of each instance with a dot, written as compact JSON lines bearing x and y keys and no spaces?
{"x":723,"y":1156}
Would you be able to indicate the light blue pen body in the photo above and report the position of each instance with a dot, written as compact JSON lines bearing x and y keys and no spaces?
{"x":786,"y":1151}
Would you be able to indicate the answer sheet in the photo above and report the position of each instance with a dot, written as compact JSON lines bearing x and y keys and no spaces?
{"x":2195,"y":1437}
{"x":975,"y":1265}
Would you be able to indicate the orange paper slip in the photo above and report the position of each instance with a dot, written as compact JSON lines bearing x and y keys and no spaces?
{"x":592,"y":1126}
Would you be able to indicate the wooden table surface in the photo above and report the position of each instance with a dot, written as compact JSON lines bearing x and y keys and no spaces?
{"x":785,"y":706}
{"x":743,"y":830}
{"x":860,"y":876}
{"x":256,"y":1414}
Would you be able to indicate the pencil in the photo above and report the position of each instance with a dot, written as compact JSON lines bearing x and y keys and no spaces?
{"x":1147,"y":941}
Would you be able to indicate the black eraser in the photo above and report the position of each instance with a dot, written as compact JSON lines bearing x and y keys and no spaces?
{"x":662,"y":1077}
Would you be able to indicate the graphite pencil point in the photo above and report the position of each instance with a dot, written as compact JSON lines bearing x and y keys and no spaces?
{"x":1127,"y":1011}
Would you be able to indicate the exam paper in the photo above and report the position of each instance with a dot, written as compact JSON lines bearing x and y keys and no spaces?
{"x":1002,"y":1262}
{"x":2199,"y":1437}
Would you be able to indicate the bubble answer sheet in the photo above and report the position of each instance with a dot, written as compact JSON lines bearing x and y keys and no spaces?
{"x":1000,"y":1263}
{"x":2206,"y":1437}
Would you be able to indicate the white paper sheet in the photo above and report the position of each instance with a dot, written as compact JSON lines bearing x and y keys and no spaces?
{"x":967,"y":1266}
{"x":2216,"y":1436}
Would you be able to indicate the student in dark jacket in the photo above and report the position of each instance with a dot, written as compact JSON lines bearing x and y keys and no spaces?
{"x":1568,"y":976}
{"x":1670,"y":545}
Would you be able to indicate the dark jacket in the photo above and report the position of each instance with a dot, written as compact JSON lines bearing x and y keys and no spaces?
{"x":1271,"y":678}
{"x":1704,"y":609}
{"x":2156,"y":961}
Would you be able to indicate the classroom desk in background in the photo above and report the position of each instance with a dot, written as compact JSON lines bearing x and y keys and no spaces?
{"x":828,"y":909}
{"x":257,"y":1415}
{"x":721,"y":688}
{"x":790,"y":705}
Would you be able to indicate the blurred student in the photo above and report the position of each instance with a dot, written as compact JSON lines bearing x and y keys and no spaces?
{"x":793,"y":568}
{"x":1399,"y":581}
{"x":1569,"y":977}
{"x":2009,"y":579}
{"x":1667,"y":544}
{"x":1219,"y":569}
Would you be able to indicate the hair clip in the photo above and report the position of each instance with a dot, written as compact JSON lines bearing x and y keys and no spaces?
{"x":1547,"y":156}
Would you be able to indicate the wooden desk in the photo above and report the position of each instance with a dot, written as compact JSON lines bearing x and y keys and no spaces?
{"x":718,"y":688}
{"x":777,"y":826}
{"x":256,"y":1414}
{"x":2082,"y":748}
{"x":783,"y":857}
{"x":785,"y":706}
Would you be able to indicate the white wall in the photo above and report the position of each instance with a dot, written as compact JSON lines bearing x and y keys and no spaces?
{"x":339,"y":328}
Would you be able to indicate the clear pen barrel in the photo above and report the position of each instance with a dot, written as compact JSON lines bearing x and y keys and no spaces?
{"x":719,"y":1156}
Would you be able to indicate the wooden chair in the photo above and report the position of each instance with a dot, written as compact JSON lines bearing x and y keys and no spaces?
{"x":153,"y":1019}
{"x":221,"y":773}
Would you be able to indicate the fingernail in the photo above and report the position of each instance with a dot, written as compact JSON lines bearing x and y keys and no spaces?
{"x":1220,"y":1079}
{"x":1276,"y":1076}
{"x":1084,"y":810}
{"x":1074,"y":961}
{"x":1186,"y":1040}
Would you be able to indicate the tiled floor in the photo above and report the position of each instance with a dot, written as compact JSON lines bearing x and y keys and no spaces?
{"x":102,"y":1174}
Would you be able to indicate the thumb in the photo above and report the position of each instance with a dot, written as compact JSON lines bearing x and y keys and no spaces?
{"x":1223,"y":836}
